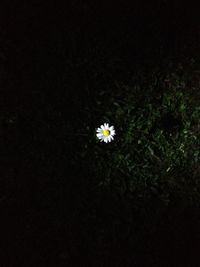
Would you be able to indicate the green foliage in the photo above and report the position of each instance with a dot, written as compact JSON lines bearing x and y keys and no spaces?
{"x":156,"y":149}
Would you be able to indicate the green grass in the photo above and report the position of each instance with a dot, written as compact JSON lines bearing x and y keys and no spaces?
{"x":143,"y":189}
{"x":156,"y":149}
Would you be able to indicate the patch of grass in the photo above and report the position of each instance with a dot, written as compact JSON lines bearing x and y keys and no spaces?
{"x":156,"y":150}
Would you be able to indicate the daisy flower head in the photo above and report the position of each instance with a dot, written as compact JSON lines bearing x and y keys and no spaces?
{"x":105,"y":133}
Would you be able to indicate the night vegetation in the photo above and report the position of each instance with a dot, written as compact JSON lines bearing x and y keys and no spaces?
{"x":67,"y":199}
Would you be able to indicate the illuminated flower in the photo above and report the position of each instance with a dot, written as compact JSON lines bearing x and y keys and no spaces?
{"x":105,"y":133}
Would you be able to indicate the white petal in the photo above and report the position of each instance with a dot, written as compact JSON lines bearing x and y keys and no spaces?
{"x":112,"y":132}
{"x":111,"y":128}
{"x":102,"y":127}
{"x":112,"y":138}
{"x":99,"y":134}
{"x":106,"y":140}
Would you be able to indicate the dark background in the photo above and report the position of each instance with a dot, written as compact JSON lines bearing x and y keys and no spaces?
{"x":50,"y":54}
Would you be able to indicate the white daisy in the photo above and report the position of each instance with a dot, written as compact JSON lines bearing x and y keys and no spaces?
{"x":105,"y":133}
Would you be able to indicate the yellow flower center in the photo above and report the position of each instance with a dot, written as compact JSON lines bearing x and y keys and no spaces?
{"x":106,"y":132}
